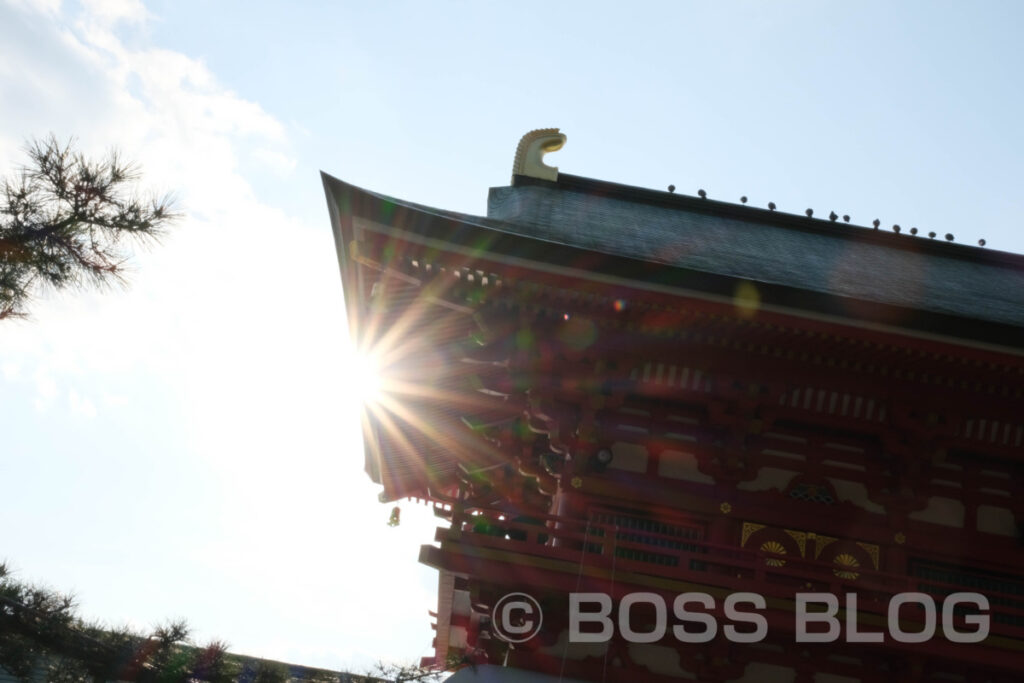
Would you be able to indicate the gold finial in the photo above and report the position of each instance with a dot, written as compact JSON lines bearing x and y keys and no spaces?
{"x":531,"y":150}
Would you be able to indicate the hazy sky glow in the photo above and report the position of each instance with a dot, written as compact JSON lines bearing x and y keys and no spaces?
{"x":189,"y":446}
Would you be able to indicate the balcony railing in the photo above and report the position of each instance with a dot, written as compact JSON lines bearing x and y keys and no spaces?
{"x":592,"y":544}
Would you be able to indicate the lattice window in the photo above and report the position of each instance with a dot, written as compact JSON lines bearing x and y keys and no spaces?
{"x":812,"y":492}
{"x":974,"y":580}
{"x":656,"y":534}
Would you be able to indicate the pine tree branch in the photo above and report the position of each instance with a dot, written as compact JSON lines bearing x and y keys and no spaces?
{"x":64,"y":220}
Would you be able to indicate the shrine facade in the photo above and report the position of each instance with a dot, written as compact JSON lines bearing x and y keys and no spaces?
{"x":605,"y":389}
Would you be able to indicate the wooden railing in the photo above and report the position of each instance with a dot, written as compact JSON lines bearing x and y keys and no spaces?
{"x":594,"y":545}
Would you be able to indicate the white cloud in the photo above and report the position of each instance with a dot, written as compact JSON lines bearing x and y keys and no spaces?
{"x":50,"y":7}
{"x":10,"y":371}
{"x":112,"y":11}
{"x":46,"y":389}
{"x":282,"y":164}
{"x":234,"y":328}
{"x":81,"y":406}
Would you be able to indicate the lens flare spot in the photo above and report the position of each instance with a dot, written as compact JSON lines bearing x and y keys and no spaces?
{"x":524,"y":339}
{"x":578,"y":333}
{"x":747,"y":299}
{"x":619,"y":305}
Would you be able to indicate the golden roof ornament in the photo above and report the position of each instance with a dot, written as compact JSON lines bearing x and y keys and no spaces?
{"x":531,"y":150}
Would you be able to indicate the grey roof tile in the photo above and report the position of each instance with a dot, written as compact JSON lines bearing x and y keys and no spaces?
{"x":898,"y":270}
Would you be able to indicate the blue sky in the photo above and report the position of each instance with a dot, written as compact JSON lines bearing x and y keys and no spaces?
{"x":188,"y":446}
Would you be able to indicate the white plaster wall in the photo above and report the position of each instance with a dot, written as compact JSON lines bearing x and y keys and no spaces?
{"x":834,"y":678}
{"x":674,"y":464}
{"x":573,"y":651}
{"x":460,"y":602}
{"x":856,"y":493}
{"x":768,"y":478}
{"x":630,"y":457}
{"x":659,"y":659}
{"x":996,"y":520}
{"x":756,"y":672}
{"x":941,"y":510}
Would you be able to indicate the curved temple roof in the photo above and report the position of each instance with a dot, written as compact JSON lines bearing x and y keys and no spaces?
{"x":800,"y":265}
{"x":770,"y":247}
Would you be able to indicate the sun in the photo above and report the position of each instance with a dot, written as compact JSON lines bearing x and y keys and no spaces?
{"x":366,"y":378}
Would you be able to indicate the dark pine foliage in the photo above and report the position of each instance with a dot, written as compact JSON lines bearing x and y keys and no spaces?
{"x":65,"y":219}
{"x":40,"y":631}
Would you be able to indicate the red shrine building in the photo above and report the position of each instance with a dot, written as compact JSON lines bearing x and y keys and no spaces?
{"x":668,"y":433}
